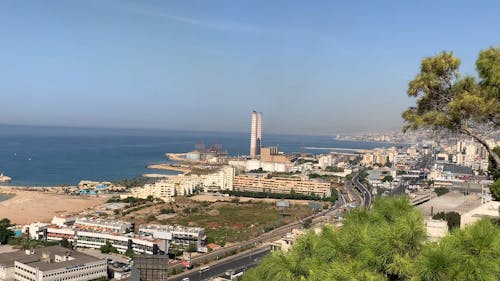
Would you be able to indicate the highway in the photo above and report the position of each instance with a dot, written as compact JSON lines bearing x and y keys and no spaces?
{"x":237,"y":263}
{"x":367,"y":196}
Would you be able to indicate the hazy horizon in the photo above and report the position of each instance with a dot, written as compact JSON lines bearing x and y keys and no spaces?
{"x":317,"y":68}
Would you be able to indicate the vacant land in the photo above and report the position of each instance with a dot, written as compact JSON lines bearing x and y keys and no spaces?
{"x":37,"y":206}
{"x":224,"y":222}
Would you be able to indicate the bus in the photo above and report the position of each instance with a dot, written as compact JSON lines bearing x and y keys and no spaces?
{"x":204,"y":269}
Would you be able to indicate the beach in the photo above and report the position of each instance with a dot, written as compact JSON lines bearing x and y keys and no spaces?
{"x":37,"y":206}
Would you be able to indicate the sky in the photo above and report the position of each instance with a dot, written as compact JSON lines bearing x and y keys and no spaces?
{"x":311,"y":67}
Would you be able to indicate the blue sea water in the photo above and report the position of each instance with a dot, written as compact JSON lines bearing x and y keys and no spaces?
{"x":47,"y":156}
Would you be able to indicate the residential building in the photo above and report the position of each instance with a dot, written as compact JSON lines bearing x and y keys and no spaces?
{"x":178,"y":235}
{"x":282,"y":185}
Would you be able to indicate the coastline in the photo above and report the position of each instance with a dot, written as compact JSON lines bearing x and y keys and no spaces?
{"x":26,"y":204}
{"x":169,"y":167}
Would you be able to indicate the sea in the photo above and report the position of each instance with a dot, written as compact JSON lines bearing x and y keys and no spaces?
{"x":52,"y":156}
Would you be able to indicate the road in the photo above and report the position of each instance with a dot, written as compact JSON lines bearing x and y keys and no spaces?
{"x":367,"y":196}
{"x":236,"y":263}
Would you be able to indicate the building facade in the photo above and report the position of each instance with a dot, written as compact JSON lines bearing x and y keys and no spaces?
{"x":282,"y":185}
{"x":51,"y":264}
{"x":256,"y":134}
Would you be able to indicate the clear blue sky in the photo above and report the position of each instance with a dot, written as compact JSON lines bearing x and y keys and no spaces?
{"x":309,"y":66}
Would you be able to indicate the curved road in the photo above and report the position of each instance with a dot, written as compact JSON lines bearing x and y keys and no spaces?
{"x":367,"y":196}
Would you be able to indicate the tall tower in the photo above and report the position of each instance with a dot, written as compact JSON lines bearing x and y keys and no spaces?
{"x":253,"y":136}
{"x":259,"y":133}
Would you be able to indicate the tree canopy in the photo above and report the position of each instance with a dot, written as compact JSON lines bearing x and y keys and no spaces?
{"x":387,"y":242}
{"x":5,"y":232}
{"x":445,"y":100}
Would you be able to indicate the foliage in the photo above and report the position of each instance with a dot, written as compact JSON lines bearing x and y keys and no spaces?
{"x":108,"y":248}
{"x":495,"y":189}
{"x":327,"y":178}
{"x":452,"y":218}
{"x":378,"y":244}
{"x":447,"y":101}
{"x":129,"y":253}
{"x":334,"y":169}
{"x":5,"y":232}
{"x":165,"y":211}
{"x":133,"y":182}
{"x":492,"y":165}
{"x":388,"y":179}
{"x":192,"y":248}
{"x":65,"y":243}
{"x":441,"y":190}
{"x":363,"y":175}
{"x":469,"y":254}
{"x":387,"y":242}
{"x":292,"y":195}
{"x":307,"y":223}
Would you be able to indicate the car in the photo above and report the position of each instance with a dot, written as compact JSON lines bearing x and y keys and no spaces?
{"x":185,"y":279}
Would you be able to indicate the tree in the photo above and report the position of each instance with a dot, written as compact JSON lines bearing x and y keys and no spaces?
{"x":441,"y":190}
{"x":452,"y":218}
{"x":495,"y":189}
{"x":386,"y":243}
{"x":462,"y":105}
{"x":65,"y":243}
{"x":388,"y":179}
{"x":108,"y":248}
{"x":129,"y":253}
{"x":492,"y":166}
{"x":5,"y":232}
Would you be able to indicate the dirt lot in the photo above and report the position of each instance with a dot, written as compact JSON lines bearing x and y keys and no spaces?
{"x":226,"y":221}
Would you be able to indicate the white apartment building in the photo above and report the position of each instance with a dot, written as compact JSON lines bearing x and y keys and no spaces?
{"x":151,"y":239}
{"x":100,"y":225}
{"x":186,"y":184}
{"x":63,"y":220}
{"x":139,"y":244}
{"x":179,"y":235}
{"x":36,"y":231}
{"x":51,"y":264}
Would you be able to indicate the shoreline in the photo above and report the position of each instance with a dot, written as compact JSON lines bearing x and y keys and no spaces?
{"x":27,"y":205}
{"x":169,"y":167}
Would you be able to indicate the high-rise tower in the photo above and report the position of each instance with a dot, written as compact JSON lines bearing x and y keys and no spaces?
{"x":259,"y":133}
{"x":256,"y":134}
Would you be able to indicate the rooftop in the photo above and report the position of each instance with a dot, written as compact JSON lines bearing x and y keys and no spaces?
{"x":36,"y":258}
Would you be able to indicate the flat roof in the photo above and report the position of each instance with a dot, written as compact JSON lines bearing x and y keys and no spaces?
{"x":35,"y":260}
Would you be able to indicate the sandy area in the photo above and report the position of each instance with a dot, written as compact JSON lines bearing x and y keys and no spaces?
{"x":33,"y":206}
{"x":176,"y":156}
{"x":169,"y":167}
